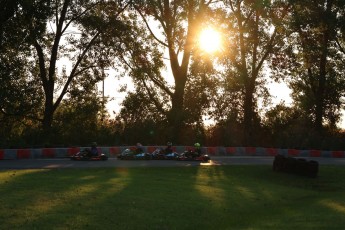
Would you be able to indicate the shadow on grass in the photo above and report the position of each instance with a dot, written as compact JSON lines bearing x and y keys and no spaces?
{"x":209,"y":197}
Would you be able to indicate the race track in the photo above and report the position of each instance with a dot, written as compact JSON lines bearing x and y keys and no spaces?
{"x":113,"y":162}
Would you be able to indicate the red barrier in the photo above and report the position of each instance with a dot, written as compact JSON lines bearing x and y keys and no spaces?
{"x":315,"y":153}
{"x":48,"y":153}
{"x":271,"y":151}
{"x":2,"y":154}
{"x":23,"y":154}
{"x":293,"y":152}
{"x":230,"y":150}
{"x":212,"y":150}
{"x":114,"y":151}
{"x":72,"y":151}
{"x":250,"y":151}
{"x":189,"y":148}
{"x":338,"y":154}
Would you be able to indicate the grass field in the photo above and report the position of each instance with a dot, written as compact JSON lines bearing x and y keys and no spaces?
{"x":218,"y":197}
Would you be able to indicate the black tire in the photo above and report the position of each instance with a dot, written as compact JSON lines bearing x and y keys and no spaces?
{"x":278,"y":163}
{"x":291,"y":164}
{"x":302,"y":167}
{"x":313,"y":168}
{"x":206,"y":159}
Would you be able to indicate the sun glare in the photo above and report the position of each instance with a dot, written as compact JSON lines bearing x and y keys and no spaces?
{"x":210,"y":40}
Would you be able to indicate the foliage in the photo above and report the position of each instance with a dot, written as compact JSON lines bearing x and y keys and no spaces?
{"x":252,"y":36}
{"x":313,"y":62}
{"x":177,"y":86}
{"x":20,"y":96}
{"x":176,"y":26}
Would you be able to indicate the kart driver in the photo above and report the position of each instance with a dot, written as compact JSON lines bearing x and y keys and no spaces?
{"x":197,"y":149}
{"x":168,"y":149}
{"x":94,"y":150}
{"x":139,"y":148}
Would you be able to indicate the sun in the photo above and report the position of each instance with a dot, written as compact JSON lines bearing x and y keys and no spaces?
{"x":210,"y":40}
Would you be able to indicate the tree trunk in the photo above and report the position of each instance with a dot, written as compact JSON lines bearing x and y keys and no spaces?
{"x":320,"y":97}
{"x":48,"y":114}
{"x":248,"y":114}
{"x":176,"y":115}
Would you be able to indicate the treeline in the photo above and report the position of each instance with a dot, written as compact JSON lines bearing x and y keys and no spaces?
{"x":54,"y":54}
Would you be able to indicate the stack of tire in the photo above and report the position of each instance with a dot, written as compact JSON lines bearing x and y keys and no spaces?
{"x":299,"y":166}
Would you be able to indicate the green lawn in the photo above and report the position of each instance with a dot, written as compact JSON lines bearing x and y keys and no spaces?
{"x":205,"y":197}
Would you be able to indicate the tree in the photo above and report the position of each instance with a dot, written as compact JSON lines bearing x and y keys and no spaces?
{"x":314,"y":62}
{"x":78,"y":118}
{"x":20,"y":95}
{"x":178,"y":22}
{"x":75,"y":31}
{"x":253,"y":28}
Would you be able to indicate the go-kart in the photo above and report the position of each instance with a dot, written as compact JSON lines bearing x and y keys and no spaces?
{"x":193,"y":156}
{"x":86,"y":155}
{"x":160,"y":154}
{"x":128,"y":154}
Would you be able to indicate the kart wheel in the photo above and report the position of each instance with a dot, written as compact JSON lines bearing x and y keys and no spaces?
{"x":206,"y":159}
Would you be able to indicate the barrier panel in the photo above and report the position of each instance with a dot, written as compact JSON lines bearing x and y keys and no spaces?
{"x":338,"y":154}
{"x":230,"y":150}
{"x":180,"y":149}
{"x":187,"y":148}
{"x":250,"y":151}
{"x":36,"y":153}
{"x":48,"y":153}
{"x":271,"y":151}
{"x":63,"y":152}
{"x":221,"y":151}
{"x":70,"y":151}
{"x":304,"y":153}
{"x":11,"y":154}
{"x":114,"y":151}
{"x":326,"y":154}
{"x":260,"y":151}
{"x":23,"y":154}
{"x":211,"y":151}
{"x":240,"y":151}
{"x":293,"y":152}
{"x":315,"y":153}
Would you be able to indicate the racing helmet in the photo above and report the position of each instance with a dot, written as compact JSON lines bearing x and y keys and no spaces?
{"x":126,"y":152}
{"x":94,"y":144}
{"x":169,"y":144}
{"x":197,"y":145}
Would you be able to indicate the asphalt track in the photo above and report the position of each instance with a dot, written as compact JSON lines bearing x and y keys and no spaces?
{"x":113,"y":162}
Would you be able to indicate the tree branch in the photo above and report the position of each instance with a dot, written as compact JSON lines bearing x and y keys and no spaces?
{"x":149,"y":28}
{"x":155,"y":101}
{"x":74,"y":71}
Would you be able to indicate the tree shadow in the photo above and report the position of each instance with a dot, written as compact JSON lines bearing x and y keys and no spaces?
{"x":197,"y":197}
